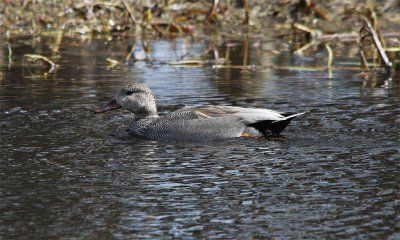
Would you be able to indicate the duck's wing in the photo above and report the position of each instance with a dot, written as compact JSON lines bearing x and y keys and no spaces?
{"x":250,"y":115}
{"x":187,"y":114}
{"x":198,"y":112}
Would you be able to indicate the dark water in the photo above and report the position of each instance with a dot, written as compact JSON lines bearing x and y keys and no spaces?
{"x":67,"y":173}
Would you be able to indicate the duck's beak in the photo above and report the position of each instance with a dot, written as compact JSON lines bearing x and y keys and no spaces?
{"x":109,"y":106}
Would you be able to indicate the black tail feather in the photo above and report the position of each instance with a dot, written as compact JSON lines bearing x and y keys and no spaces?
{"x":268,"y":127}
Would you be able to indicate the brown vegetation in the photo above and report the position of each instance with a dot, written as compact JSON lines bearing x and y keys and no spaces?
{"x":308,"y":25}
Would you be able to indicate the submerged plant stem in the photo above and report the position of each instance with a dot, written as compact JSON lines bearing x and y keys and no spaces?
{"x":9,"y":55}
{"x":330,"y":55}
{"x":377,"y":42}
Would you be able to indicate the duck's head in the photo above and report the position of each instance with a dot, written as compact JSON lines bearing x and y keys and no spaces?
{"x":136,"y":98}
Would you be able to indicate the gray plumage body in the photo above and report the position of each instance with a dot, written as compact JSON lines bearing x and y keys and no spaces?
{"x":203,"y":123}
{"x":174,"y":128}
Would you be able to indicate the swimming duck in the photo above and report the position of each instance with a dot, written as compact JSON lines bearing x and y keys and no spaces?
{"x":201,"y":123}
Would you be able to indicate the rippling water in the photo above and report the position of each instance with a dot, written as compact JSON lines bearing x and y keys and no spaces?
{"x":68,"y":173}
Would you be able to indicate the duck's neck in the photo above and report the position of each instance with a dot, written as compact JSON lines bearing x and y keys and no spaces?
{"x":146,"y":112}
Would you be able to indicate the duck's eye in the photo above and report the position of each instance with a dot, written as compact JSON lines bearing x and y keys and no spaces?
{"x":129,"y":92}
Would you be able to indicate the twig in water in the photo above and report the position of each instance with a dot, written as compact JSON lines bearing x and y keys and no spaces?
{"x":330,"y":59}
{"x":305,"y":47}
{"x":330,"y":55}
{"x":370,"y":32}
{"x":215,"y":51}
{"x":9,"y":56}
{"x":246,"y":52}
{"x":112,"y":62}
{"x":193,"y":62}
{"x":39,"y":58}
{"x":364,"y":61}
{"x":248,"y":67}
{"x":131,"y":52}
{"x":58,"y":41}
{"x":227,"y":54}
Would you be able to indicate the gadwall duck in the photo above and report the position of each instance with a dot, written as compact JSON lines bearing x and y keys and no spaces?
{"x":194,"y":123}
